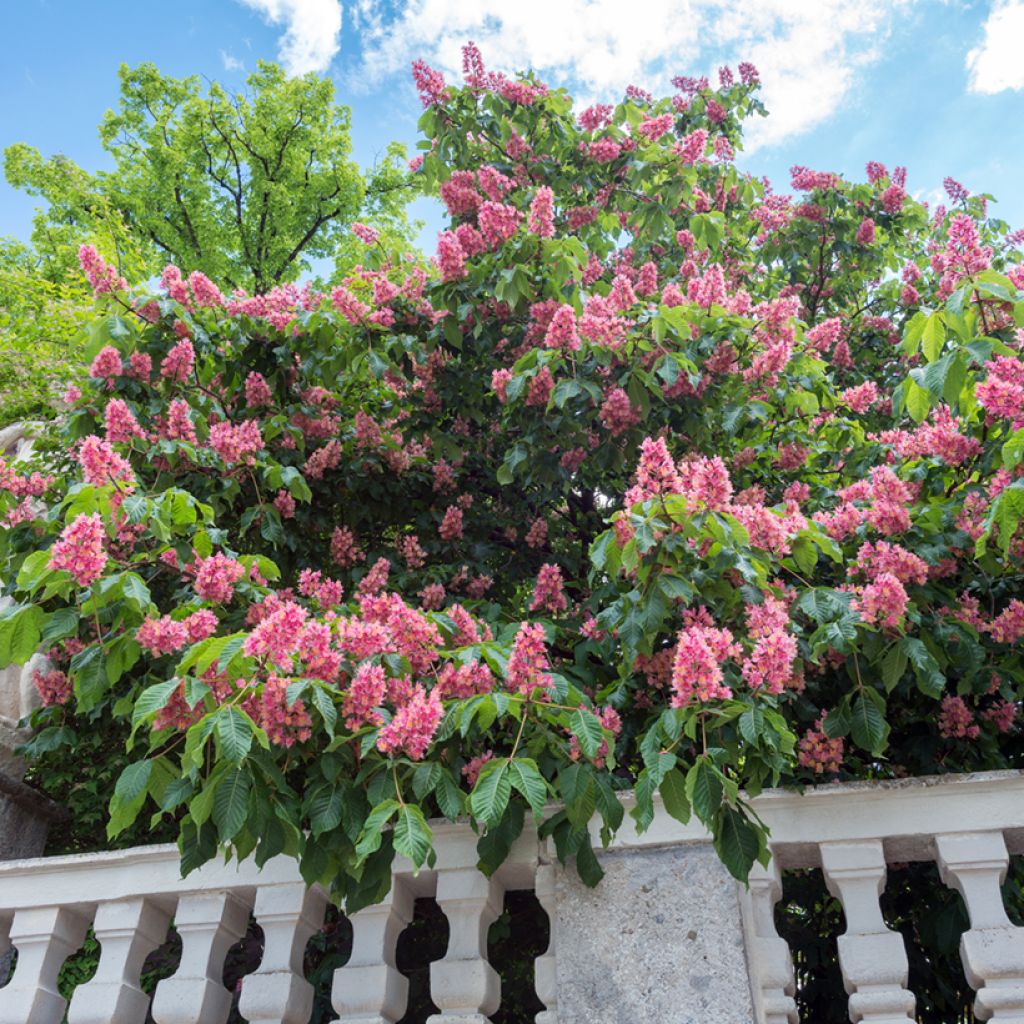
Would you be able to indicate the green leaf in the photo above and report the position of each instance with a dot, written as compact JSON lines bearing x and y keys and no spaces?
{"x":527,"y":779}
{"x":587,"y":866}
{"x":918,"y":400}
{"x":930,"y":678}
{"x":673,"y":795}
{"x":894,"y":664}
{"x":373,"y":828}
{"x":704,"y":789}
{"x":136,"y":593}
{"x":234,"y":730}
{"x":326,"y":808}
{"x":153,"y":698}
{"x":328,"y":712}
{"x":586,"y":727}
{"x":231,"y":803}
{"x":736,"y":842}
{"x":449,"y":797}
{"x":933,"y":337}
{"x":491,"y":793}
{"x":425,"y":779}
{"x":34,"y":571}
{"x":867,"y":722}
{"x":61,"y":623}
{"x":412,"y":835}
{"x":751,"y":725}
{"x":19,"y":633}
{"x":133,"y":780}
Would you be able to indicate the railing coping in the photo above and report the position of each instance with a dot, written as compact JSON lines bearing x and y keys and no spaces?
{"x":904,"y":814}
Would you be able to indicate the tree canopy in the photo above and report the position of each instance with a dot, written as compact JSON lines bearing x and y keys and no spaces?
{"x":658,"y":480}
{"x":244,"y":187}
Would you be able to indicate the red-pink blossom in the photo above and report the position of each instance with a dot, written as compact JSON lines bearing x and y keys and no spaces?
{"x":81,"y":549}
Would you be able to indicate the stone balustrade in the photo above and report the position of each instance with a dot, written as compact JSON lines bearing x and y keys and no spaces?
{"x":667,"y":936}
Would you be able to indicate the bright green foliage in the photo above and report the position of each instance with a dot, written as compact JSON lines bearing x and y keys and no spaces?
{"x":245,"y":187}
{"x":41,"y":319}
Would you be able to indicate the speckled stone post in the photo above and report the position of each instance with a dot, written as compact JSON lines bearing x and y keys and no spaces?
{"x":659,"y":941}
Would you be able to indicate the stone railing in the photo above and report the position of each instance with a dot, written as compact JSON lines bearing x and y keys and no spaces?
{"x":666,"y":936}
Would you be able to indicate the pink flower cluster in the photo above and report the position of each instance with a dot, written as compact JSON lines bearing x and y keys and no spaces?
{"x":956,"y":720}
{"x":166,"y":635}
{"x":53,"y":687}
{"x":413,"y":727}
{"x":883,"y":602}
{"x":81,"y":549}
{"x":233,"y":442}
{"x":216,"y":577}
{"x":617,"y":412}
{"x":818,"y":752}
{"x":542,"y":213}
{"x":1001,"y":393}
{"x":102,"y":276}
{"x":102,"y":466}
{"x":528,"y":661}
{"x":701,"y":650}
{"x":285,"y":724}
{"x":451,"y":525}
{"x":345,"y":551}
{"x":179,"y":362}
{"x":549,"y":592}
{"x":561,"y":332}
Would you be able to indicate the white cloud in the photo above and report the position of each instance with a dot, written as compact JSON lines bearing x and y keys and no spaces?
{"x":230,"y":62}
{"x":312,"y":34}
{"x":809,"y":52}
{"x":997,"y":64}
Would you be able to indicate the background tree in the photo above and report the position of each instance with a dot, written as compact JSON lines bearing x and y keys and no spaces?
{"x":244,"y":187}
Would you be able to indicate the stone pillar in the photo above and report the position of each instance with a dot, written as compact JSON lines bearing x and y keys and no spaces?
{"x":277,"y":992}
{"x":546,"y":965}
{"x":463,"y":985}
{"x":992,"y":949}
{"x":127,"y":931}
{"x":872,"y":957}
{"x":209,"y":924}
{"x":658,"y":940}
{"x":369,"y":988}
{"x":772,"y":980}
{"x":44,"y":937}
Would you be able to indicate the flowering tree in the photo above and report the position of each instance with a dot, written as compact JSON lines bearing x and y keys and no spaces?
{"x":662,"y":482}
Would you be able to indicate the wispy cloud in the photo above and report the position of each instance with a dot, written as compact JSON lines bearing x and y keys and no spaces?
{"x":312,"y":35}
{"x":810,"y":54}
{"x":230,"y":62}
{"x":997,"y":64}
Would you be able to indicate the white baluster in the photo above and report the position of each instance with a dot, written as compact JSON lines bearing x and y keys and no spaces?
{"x":771,"y":966}
{"x":209,"y":924}
{"x":873,"y":958}
{"x":992,"y":950}
{"x":44,"y":938}
{"x":277,"y":992}
{"x":369,"y":988}
{"x":544,"y":967}
{"x":127,"y":931}
{"x":464,"y":985}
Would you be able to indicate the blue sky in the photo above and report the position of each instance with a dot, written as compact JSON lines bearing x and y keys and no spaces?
{"x":936,"y":85}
